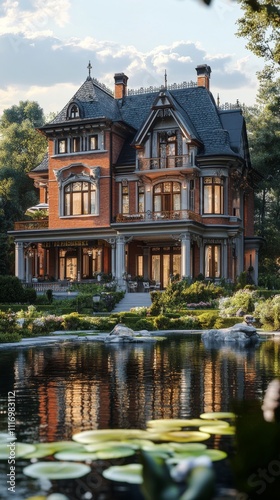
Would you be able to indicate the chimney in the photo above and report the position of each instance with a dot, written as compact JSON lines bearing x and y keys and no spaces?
{"x":203,"y":76}
{"x":120,"y":85}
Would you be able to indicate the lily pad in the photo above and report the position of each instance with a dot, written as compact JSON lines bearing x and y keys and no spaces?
{"x":112,"y":444}
{"x":56,"y":470}
{"x":187,"y":447}
{"x":115,"y":452}
{"x":131,"y":473}
{"x":185,"y":436}
{"x":21,"y":449}
{"x":87,"y":437}
{"x":220,"y":430}
{"x":47,"y":449}
{"x":214,"y":455}
{"x":217,"y":415}
{"x":79,"y":456}
{"x":5,"y":437}
{"x":179,"y":422}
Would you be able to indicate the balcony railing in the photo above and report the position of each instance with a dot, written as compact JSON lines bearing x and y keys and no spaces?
{"x":163,"y":215}
{"x":31,"y":224}
{"x":182,"y":161}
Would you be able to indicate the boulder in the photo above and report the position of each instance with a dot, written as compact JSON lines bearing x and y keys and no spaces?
{"x":242,"y":333}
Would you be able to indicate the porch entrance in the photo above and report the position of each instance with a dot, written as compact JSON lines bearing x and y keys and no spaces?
{"x":165,"y":262}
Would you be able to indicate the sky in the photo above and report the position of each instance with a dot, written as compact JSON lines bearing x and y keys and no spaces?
{"x":46,"y":45}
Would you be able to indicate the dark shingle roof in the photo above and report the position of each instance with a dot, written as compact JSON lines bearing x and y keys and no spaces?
{"x":219,"y":133}
{"x":43,"y":166}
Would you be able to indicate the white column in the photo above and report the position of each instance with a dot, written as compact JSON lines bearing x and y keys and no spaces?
{"x":19,"y":260}
{"x":185,"y":255}
{"x":112,"y":242}
{"x":120,"y":260}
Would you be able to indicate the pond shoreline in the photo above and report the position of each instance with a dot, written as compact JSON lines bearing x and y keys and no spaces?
{"x":59,"y":337}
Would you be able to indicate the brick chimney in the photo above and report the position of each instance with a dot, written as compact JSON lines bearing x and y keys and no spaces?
{"x":120,"y":85}
{"x":203,"y":76}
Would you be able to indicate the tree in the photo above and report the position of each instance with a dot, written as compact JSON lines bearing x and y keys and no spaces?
{"x":264,"y":140}
{"x":22,"y":148}
{"x":260,"y":25}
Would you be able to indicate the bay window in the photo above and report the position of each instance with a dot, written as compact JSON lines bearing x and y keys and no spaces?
{"x":213,"y":195}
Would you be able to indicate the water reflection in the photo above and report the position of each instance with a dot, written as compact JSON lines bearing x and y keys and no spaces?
{"x":64,"y":389}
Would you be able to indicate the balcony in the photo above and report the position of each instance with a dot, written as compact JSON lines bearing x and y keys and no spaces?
{"x":169,"y":162}
{"x":28,"y":225}
{"x":163,"y":215}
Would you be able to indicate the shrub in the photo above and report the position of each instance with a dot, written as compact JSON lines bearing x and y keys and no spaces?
{"x":9,"y":337}
{"x":207,"y":320}
{"x":161,"y":322}
{"x":242,"y":300}
{"x":268,"y":313}
{"x":11,"y":290}
{"x":144,"y":324}
{"x":29,"y":295}
{"x":49,"y":294}
{"x":8,"y":323}
{"x":226,"y":322}
{"x":185,"y":323}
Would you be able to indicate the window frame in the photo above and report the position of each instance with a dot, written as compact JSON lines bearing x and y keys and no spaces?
{"x":88,"y":198}
{"x":213,"y":261}
{"x":213,"y":195}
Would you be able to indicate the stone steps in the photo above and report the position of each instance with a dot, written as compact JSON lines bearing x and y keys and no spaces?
{"x":133,"y":299}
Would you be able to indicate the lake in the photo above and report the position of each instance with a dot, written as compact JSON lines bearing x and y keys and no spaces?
{"x":74,"y":386}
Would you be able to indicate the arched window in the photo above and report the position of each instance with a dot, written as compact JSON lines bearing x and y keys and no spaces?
{"x":80,"y":198}
{"x":167,"y":196}
{"x":73,"y":111}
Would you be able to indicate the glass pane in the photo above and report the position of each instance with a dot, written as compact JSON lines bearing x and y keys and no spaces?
{"x":177,"y":264}
{"x":207,"y":199}
{"x":156,"y":267}
{"x":157,"y":203}
{"x":76,"y":197}
{"x":166,"y":270}
{"x":85,"y":204}
{"x":176,"y":202}
{"x":176,"y":187}
{"x":141,"y":205}
{"x":76,"y":186}
{"x":157,"y":188}
{"x":62,"y":146}
{"x":93,"y":202}
{"x":61,"y":268}
{"x":93,"y":142}
{"x":140,"y":268}
{"x":71,"y":268}
{"x":125,"y":204}
{"x":67,"y":210}
{"x":167,"y":187}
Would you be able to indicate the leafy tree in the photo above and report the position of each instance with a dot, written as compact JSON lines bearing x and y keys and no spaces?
{"x":260,"y":25}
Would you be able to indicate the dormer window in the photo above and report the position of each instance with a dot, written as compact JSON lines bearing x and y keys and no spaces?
{"x":73,"y":112}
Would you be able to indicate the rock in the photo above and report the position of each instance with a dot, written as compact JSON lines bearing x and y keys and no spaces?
{"x":122,"y":330}
{"x":239,"y":333}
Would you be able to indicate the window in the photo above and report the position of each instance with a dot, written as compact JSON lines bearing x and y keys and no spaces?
{"x":212,"y":261}
{"x":93,"y":142}
{"x":80,"y":198}
{"x":125,"y":199}
{"x":75,"y":144}
{"x":213,"y":195}
{"x":62,"y":146}
{"x":167,"y":196}
{"x":73,"y":112}
{"x":141,"y":199}
{"x":167,"y":149}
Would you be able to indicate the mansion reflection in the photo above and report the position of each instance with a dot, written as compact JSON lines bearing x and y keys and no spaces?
{"x":64,"y":389}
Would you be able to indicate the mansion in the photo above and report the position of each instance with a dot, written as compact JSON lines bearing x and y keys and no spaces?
{"x":153,"y":183}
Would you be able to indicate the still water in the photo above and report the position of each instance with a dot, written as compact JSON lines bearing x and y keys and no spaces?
{"x":64,"y":389}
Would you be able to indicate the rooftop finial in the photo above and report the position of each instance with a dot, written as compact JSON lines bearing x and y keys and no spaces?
{"x":165,"y":79}
{"x":89,"y":67}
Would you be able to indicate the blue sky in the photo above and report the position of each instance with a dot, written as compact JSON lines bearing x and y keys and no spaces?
{"x":45,"y":46}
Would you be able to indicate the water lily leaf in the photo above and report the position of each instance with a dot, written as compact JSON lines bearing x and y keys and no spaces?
{"x":115,"y":452}
{"x":21,"y":449}
{"x":47,"y":449}
{"x":163,"y":428}
{"x":138,"y":443}
{"x":131,"y":473}
{"x":187,"y":447}
{"x":79,"y":456}
{"x":56,"y":470}
{"x":214,"y":455}
{"x":217,"y":415}
{"x":185,"y":436}
{"x":112,"y":444}
{"x":179,"y":422}
{"x":220,"y":430}
{"x":163,"y":447}
{"x":87,"y":437}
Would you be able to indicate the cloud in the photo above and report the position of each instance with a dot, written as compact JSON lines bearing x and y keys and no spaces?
{"x":34,"y":64}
